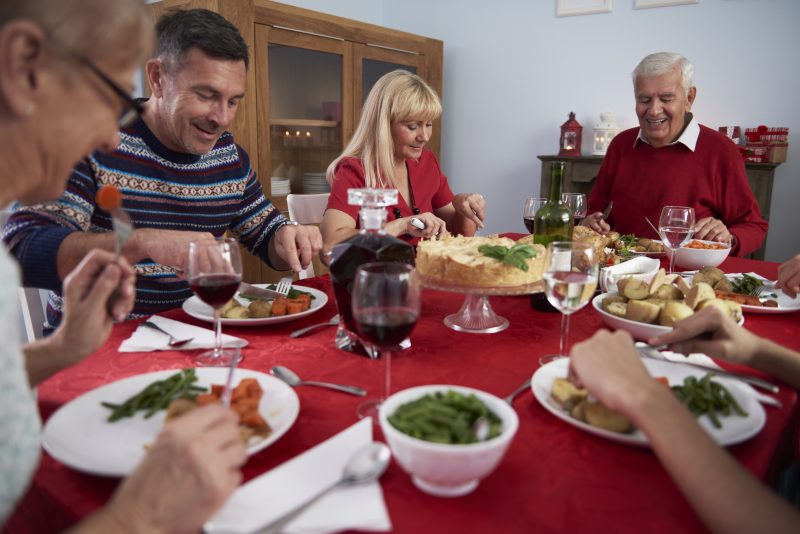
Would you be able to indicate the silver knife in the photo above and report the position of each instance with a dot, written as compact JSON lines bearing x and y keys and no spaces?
{"x":652,"y":352}
{"x":251,"y":291}
{"x":607,"y":211}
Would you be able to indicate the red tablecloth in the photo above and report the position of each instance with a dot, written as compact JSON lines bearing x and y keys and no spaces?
{"x":553,"y":478}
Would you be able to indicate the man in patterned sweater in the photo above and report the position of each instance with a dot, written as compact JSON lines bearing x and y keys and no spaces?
{"x":181,"y":175}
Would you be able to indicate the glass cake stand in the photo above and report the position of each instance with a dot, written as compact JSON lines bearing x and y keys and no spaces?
{"x":476,"y":315}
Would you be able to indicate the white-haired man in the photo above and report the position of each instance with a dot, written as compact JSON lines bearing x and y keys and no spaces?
{"x":672,"y":160}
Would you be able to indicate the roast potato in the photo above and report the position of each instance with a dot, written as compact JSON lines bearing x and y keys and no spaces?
{"x":668,"y":292}
{"x":672,"y":312}
{"x":602,"y":417}
{"x":635,"y":289}
{"x":259,"y":309}
{"x":236,"y":312}
{"x":566,"y":394}
{"x":699,"y":292}
{"x":644,"y":312}
{"x":620,"y":309}
{"x":723,"y":284}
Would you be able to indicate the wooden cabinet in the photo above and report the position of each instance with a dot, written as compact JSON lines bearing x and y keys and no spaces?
{"x":309,"y":75}
{"x":580,"y":173}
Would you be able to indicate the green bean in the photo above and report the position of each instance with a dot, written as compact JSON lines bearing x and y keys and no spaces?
{"x":156,"y":396}
{"x":444,"y":417}
{"x":707,"y":397}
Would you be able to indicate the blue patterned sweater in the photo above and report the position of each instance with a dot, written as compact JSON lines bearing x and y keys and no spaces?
{"x":161,"y":188}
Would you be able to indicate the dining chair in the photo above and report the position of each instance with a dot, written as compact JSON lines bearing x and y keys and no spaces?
{"x":307,"y":209}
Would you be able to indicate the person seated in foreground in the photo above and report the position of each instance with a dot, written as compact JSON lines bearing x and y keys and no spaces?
{"x":388,"y":150}
{"x":182,"y":177}
{"x":62,"y":69}
{"x":725,"y":496}
{"x":672,"y":160}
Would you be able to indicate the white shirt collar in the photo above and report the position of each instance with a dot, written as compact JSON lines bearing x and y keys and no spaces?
{"x":688,"y":138}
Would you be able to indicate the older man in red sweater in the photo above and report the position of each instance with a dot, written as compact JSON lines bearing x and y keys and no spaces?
{"x":672,"y":160}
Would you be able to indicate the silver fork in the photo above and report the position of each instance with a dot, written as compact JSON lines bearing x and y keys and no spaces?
{"x":173,"y":342}
{"x":284,"y":285}
{"x":766,"y":285}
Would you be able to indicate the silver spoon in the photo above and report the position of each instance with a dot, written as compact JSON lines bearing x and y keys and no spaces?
{"x":173,"y":342}
{"x":523,"y":387}
{"x":366,"y":465}
{"x":289,"y":376}
{"x":333,"y":321}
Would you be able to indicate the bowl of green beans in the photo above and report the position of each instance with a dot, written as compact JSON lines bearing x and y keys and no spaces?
{"x":431,"y":431}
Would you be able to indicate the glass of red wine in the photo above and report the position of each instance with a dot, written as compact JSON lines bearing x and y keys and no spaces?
{"x":532,"y":205}
{"x":576,"y":202}
{"x":385,"y":305}
{"x":676,"y":226}
{"x":214,"y":271}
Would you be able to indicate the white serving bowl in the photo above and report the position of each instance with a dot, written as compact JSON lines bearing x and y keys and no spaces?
{"x":441,"y":469}
{"x":641,"y":268}
{"x":697,"y":258}
{"x":640,"y":331}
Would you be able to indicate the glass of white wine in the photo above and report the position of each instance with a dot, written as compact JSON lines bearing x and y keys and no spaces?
{"x":675,"y":226}
{"x":570,"y":277}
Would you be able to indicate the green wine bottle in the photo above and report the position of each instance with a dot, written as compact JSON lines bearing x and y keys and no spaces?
{"x":553,"y":221}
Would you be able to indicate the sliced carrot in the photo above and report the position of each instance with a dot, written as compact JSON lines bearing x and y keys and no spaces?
{"x":109,"y":198}
{"x":206,"y":398}
{"x":279,"y":306}
{"x":294,"y":306}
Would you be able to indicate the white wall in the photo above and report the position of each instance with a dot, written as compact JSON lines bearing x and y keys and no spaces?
{"x":513,"y":71}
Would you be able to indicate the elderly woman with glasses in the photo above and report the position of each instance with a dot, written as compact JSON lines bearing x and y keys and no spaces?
{"x":65,"y":71}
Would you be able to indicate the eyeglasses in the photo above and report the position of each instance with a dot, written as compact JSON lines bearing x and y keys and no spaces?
{"x":133,"y":109}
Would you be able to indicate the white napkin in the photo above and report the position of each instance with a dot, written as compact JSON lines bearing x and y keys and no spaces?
{"x":702,"y":359}
{"x":641,"y":265}
{"x":147,"y":340}
{"x":268,"y":497}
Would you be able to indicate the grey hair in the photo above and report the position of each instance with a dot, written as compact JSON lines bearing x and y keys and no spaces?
{"x":663,"y":62}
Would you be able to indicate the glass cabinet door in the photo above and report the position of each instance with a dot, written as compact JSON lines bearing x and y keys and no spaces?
{"x":302,"y":114}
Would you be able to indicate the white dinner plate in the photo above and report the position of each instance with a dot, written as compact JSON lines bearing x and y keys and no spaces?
{"x":639,"y":330}
{"x":735,"y":429}
{"x":200,"y":310}
{"x":80,"y":436}
{"x":786,"y":304}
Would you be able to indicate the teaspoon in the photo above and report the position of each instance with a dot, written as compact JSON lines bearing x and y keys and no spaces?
{"x":291,"y":378}
{"x":366,"y":465}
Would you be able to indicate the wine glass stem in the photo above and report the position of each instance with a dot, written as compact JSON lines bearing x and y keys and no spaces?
{"x":564,"y":332}
{"x":387,"y":357}
{"x":217,"y":331}
{"x":671,"y":259}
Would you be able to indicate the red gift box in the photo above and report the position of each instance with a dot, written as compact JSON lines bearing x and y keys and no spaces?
{"x":767,"y":144}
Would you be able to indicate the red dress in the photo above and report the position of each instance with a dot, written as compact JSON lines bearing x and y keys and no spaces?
{"x":426,"y":179}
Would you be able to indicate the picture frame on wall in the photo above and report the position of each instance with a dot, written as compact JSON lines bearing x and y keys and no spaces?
{"x":568,"y":8}
{"x":646,"y":4}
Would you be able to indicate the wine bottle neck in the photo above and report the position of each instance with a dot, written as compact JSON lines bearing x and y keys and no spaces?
{"x":556,"y":180}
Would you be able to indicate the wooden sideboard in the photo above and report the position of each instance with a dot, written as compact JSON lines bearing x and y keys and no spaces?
{"x":580,"y":173}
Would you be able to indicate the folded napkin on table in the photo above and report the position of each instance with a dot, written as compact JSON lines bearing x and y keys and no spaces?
{"x":270,"y":496}
{"x":146,"y":339}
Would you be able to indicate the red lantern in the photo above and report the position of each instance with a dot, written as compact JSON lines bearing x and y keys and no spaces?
{"x":570,"y":142}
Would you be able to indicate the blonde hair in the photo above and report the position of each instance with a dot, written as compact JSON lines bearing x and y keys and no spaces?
{"x":396,"y":97}
{"x":117,"y":32}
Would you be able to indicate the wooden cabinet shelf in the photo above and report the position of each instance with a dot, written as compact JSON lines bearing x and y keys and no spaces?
{"x":580,"y":173}
{"x":305,"y":123}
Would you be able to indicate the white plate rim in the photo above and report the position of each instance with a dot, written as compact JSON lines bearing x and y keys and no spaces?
{"x":119,"y":456}
{"x":765,"y":310}
{"x":200,"y":310}
{"x":542,"y":380}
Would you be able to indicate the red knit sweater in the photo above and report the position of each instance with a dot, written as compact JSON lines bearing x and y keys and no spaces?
{"x":641,"y":180}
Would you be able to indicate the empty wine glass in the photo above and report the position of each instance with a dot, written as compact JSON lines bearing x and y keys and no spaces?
{"x":214,"y":271}
{"x":577,"y":204}
{"x":570,"y":277}
{"x":532,"y":205}
{"x":675,"y":226}
{"x":386,"y":303}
